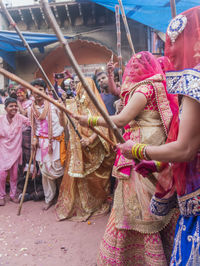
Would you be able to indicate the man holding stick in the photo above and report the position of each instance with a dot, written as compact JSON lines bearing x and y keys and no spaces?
{"x":48,"y":140}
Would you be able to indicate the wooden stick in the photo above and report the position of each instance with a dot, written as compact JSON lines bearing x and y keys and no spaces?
{"x":103,"y":136}
{"x":26,"y":182}
{"x":128,"y":34}
{"x":12,"y":22}
{"x":77,"y":69}
{"x":173,"y":8}
{"x":119,"y":53}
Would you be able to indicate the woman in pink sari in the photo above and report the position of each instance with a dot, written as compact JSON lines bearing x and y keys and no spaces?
{"x":133,"y":235}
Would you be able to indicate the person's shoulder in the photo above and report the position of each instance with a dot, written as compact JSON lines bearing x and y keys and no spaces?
{"x":22,"y":118}
{"x":2,"y":116}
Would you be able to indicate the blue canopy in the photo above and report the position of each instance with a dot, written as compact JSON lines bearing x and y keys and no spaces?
{"x":10,"y":43}
{"x":153,"y":13}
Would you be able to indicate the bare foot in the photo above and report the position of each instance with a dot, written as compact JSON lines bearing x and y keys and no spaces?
{"x":47,"y":205}
{"x":2,"y":202}
{"x":15,"y":200}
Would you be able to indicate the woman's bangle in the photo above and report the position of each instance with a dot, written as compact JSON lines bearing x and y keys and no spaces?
{"x":145,"y":155}
{"x":93,"y":121}
{"x":160,"y":165}
{"x":138,"y":151}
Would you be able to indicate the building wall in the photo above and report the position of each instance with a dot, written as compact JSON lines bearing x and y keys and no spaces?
{"x":27,"y":69}
{"x":100,"y":29}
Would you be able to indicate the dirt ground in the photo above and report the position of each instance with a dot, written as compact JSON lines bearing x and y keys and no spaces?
{"x":35,"y":238}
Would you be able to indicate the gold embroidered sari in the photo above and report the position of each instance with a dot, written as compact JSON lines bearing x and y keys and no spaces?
{"x":85,"y":185}
{"x":134,"y":192}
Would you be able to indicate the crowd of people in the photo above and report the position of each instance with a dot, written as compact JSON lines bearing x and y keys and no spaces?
{"x":153,"y":177}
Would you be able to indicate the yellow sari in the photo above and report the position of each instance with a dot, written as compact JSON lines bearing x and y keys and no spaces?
{"x":85,"y":185}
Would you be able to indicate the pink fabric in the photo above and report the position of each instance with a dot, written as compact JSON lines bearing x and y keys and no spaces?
{"x":165,"y":63}
{"x":26,"y":104}
{"x":146,"y":167}
{"x":144,"y":65}
{"x":13,"y":180}
{"x":151,"y":98}
{"x":11,"y":140}
{"x":128,"y":247}
{"x":185,"y":51}
{"x":141,"y":66}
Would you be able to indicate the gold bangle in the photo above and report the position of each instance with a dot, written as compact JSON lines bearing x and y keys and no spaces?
{"x":89,"y":120}
{"x":95,"y":120}
{"x":158,"y":165}
{"x":134,"y":150}
{"x":138,"y":151}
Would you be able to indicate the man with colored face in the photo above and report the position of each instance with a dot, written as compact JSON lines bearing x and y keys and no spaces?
{"x":11,"y":147}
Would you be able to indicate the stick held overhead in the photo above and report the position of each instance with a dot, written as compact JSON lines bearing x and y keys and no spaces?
{"x":119,"y":52}
{"x":173,"y":8}
{"x":77,"y":69}
{"x":128,"y":34}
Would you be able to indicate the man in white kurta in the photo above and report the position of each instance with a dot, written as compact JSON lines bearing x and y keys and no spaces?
{"x":44,"y":118}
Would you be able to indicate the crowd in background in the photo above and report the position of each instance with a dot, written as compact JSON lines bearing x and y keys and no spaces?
{"x":65,"y":85}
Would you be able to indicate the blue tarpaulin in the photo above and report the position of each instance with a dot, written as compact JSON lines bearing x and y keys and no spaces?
{"x":153,"y":13}
{"x":10,"y":43}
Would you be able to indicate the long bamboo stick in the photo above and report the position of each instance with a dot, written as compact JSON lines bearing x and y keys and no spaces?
{"x":26,"y":182}
{"x":12,"y":22}
{"x":119,"y":52}
{"x":128,"y":34}
{"x":173,"y":8}
{"x":77,"y":69}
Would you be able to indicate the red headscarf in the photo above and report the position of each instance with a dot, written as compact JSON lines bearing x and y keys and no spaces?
{"x":183,"y":49}
{"x":183,"y":39}
{"x":144,"y":65}
{"x":141,"y":66}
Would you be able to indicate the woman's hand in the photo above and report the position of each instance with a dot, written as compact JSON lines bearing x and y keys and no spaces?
{"x":146,"y":167}
{"x":85,"y":142}
{"x":82,"y":119}
{"x":126,"y":149}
